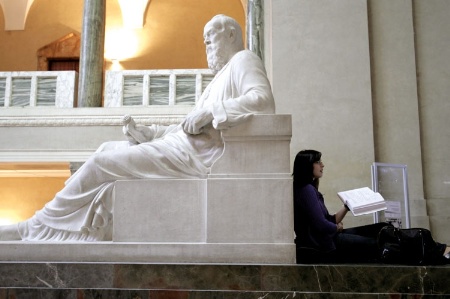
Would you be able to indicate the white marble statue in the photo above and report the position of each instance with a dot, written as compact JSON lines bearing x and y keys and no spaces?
{"x":82,"y":210}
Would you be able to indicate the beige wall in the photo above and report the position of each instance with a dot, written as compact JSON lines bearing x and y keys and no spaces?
{"x":21,"y":197}
{"x":173,"y":33}
{"x":395,"y":98}
{"x":367,"y":81}
{"x":172,"y":36}
{"x":432,"y":27}
{"x":321,"y":74}
{"x":47,"y":21}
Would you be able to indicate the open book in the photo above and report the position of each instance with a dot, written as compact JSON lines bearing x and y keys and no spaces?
{"x":362,"y":201}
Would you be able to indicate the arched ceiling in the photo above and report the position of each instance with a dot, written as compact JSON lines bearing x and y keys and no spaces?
{"x":16,"y":12}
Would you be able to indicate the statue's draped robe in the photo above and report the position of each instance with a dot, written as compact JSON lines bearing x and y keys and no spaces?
{"x":82,"y":210}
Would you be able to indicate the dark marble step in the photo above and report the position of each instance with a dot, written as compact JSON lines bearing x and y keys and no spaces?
{"x":102,"y":280}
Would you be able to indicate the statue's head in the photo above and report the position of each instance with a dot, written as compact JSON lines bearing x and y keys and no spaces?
{"x":223,"y":38}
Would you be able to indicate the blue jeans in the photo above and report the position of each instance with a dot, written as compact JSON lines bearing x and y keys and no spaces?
{"x":358,"y":244}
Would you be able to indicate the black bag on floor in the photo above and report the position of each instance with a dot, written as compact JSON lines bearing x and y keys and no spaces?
{"x":413,"y":246}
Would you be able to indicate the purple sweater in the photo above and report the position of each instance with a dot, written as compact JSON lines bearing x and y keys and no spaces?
{"x":314,"y":226}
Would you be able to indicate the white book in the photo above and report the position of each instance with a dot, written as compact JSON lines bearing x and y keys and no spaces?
{"x":362,"y":201}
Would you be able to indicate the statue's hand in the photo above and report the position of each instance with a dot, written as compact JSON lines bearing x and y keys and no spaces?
{"x":196,"y":120}
{"x":135,"y":133}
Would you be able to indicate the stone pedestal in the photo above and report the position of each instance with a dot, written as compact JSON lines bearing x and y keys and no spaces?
{"x":160,"y":211}
{"x":244,"y":204}
{"x":228,"y":220}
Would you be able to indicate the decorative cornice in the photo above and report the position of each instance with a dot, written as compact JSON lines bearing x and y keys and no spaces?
{"x":45,"y":156}
{"x":84,"y":121}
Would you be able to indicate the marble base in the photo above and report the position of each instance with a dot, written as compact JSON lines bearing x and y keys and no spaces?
{"x":121,"y":252}
{"x":204,"y":211}
{"x":101,"y":280}
{"x":241,"y":212}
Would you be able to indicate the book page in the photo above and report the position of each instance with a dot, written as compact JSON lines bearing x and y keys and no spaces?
{"x":369,"y":208}
{"x":360,"y":197}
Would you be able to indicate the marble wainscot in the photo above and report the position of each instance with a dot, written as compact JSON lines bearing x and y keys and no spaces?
{"x":241,"y":212}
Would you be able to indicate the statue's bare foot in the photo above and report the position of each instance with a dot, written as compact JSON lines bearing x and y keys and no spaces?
{"x":9,"y":233}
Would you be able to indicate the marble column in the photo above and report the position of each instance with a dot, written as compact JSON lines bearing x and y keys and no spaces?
{"x":255,"y":27}
{"x":90,"y":83}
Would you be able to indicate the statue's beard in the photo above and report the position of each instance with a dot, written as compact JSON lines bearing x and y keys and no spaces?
{"x":216,"y":59}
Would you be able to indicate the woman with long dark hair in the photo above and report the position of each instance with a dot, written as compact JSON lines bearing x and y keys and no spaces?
{"x":320,"y":236}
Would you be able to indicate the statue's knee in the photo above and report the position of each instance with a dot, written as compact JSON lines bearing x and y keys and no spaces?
{"x":102,"y":147}
{"x":112,"y":145}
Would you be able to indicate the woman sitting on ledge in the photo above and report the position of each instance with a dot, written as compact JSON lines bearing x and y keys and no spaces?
{"x":321,"y":237}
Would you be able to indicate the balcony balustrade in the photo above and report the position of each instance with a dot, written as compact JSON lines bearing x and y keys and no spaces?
{"x":38,"y":89}
{"x":155,"y":87}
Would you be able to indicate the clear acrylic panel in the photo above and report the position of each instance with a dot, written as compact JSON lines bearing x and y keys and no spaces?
{"x":391,"y":181}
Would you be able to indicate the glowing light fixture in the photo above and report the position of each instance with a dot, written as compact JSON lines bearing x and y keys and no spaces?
{"x":116,"y":66}
{"x":121,"y":44}
{"x":133,"y":12}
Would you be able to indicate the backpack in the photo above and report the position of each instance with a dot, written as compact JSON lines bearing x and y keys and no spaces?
{"x":413,"y":246}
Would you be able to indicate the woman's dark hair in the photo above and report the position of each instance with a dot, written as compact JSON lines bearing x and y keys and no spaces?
{"x":303,"y":168}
